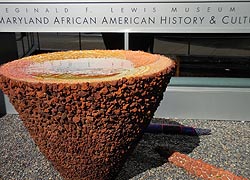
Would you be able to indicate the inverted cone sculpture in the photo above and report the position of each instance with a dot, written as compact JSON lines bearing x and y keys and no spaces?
{"x":86,"y":110}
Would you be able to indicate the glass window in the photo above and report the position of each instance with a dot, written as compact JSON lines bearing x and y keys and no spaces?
{"x":207,"y":55}
{"x":197,"y":55}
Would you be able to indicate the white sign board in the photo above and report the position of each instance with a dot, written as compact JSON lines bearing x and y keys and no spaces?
{"x":173,"y":17}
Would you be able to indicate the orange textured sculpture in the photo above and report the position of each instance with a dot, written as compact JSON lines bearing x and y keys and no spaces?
{"x":201,"y":169}
{"x":86,"y":110}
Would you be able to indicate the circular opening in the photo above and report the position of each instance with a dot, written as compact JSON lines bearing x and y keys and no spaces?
{"x":90,"y":66}
{"x":79,"y":68}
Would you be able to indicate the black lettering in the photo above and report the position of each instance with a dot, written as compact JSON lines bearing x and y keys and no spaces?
{"x":104,"y":20}
{"x":136,"y":20}
{"x":113,"y":20}
{"x":8,"y":21}
{"x":174,"y":10}
{"x":119,"y":20}
{"x":78,"y":20}
{"x":47,"y":10}
{"x":25,"y":21}
{"x":14,"y":20}
{"x":85,"y":21}
{"x":232,"y":9}
{"x":31,"y":21}
{"x":225,"y":19}
{"x":17,"y":10}
{"x":180,"y":20}
{"x":174,"y":20}
{"x":126,"y":20}
{"x":220,"y":9}
{"x":93,"y":20}
{"x":36,"y":10}
{"x":195,"y":20}
{"x":163,"y":20}
{"x":143,"y":21}
{"x":134,"y":9}
{"x":151,"y":20}
{"x":39,"y":20}
{"x":201,"y":19}
{"x":2,"y":20}
{"x":20,"y":19}
{"x":234,"y":20}
{"x":198,"y":9}
{"x":45,"y":20}
{"x":56,"y":21}
{"x":245,"y":19}
{"x":68,"y":20}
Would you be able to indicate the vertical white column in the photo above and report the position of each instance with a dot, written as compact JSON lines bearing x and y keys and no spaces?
{"x":126,"y":40}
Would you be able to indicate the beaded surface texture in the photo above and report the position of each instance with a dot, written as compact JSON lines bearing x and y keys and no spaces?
{"x":87,"y":126}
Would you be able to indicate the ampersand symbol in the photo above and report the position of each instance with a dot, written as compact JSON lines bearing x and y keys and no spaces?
{"x":212,"y":20}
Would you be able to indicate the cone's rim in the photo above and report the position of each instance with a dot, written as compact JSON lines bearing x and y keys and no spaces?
{"x":139,"y":64}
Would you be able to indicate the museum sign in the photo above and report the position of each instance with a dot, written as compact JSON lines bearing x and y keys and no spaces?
{"x":227,"y":16}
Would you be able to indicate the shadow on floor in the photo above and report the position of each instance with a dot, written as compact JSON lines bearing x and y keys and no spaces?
{"x":153,"y":151}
